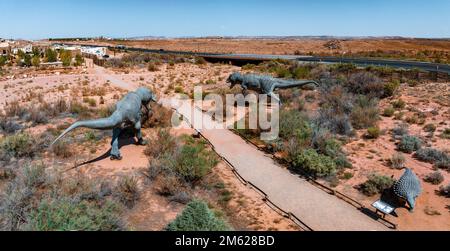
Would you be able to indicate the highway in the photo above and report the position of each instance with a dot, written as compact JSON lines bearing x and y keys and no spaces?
{"x":255,"y":58}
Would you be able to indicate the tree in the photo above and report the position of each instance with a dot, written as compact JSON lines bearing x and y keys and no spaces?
{"x":36,"y":61}
{"x":51,"y":55}
{"x":79,"y":60}
{"x":36,"y":52}
{"x":3,"y":60}
{"x":66,"y":57}
{"x":27,"y":60}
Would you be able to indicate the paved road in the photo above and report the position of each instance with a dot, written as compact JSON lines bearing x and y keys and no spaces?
{"x":316,"y":208}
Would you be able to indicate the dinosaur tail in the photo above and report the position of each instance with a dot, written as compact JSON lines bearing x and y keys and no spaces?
{"x":104,"y":123}
{"x":285,"y":84}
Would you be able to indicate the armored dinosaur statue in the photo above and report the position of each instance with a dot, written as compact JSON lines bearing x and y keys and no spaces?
{"x":127,"y":113}
{"x":264,"y":84}
{"x":408,"y":188}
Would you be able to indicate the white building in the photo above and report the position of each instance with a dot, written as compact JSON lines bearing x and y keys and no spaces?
{"x":98,"y":51}
{"x":27,"y":49}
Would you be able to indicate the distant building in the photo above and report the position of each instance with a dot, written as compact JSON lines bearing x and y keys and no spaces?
{"x":97,"y":51}
{"x":5,"y":49}
{"x":28,"y":48}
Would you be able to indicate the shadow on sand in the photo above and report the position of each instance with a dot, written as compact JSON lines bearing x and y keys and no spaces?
{"x":124,"y":140}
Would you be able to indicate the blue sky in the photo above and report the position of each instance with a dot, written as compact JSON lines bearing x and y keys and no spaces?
{"x":33,"y":19}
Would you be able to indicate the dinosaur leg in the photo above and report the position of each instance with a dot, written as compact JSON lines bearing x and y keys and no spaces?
{"x":115,"y":153}
{"x":272,"y":95}
{"x":141,"y":140}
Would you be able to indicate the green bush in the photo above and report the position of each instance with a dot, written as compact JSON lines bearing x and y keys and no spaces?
{"x":429,"y":128}
{"x":388,"y":112}
{"x":194,"y":160}
{"x":398,"y":104}
{"x":315,"y":164}
{"x":197,"y":217}
{"x":409,"y":144}
{"x":446,"y":133}
{"x":295,"y":124}
{"x":18,"y":145}
{"x":365,"y":112}
{"x":376,"y":184}
{"x":434,"y":156}
{"x":373,"y":132}
{"x":434,"y":178}
{"x":65,"y":214}
{"x":391,"y":88}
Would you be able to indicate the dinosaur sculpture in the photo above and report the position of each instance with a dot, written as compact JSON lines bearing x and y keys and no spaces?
{"x":128,"y":112}
{"x":264,"y":84}
{"x":408,"y":188}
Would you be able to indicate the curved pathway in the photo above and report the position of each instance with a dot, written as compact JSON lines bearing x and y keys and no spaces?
{"x":316,"y":208}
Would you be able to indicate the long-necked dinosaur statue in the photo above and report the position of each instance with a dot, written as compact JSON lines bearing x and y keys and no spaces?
{"x":264,"y":84}
{"x":127,"y":113}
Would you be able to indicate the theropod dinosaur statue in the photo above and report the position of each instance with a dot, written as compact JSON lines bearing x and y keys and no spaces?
{"x":264,"y":84}
{"x":127,"y":113}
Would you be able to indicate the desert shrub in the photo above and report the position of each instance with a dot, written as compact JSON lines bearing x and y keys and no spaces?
{"x":430,"y":155}
{"x":179,"y":89}
{"x":197,"y":217}
{"x":166,"y":144}
{"x":194,"y":160}
{"x":90,"y":101}
{"x":294,"y":124}
{"x":78,"y":109}
{"x":107,"y":111}
{"x":388,"y":112}
{"x":365,"y":112}
{"x":313,"y":163}
{"x":376,"y":184}
{"x":401,"y":130}
{"x":434,"y":178}
{"x":62,"y":149}
{"x":37,"y":201}
{"x":152,"y":67}
{"x":336,"y":123}
{"x":15,"y":109}
{"x":336,"y":98}
{"x":18,"y":145}
{"x":398,"y":104}
{"x":127,"y":190}
{"x":9,"y":126}
{"x":409,"y":144}
{"x":159,"y":116}
{"x":326,"y":144}
{"x":445,"y":191}
{"x":200,"y":60}
{"x":446,"y":133}
{"x":37,"y":116}
{"x":397,"y":161}
{"x":366,"y":83}
{"x":391,"y":88}
{"x":169,"y":184}
{"x":373,"y":132}
{"x":429,"y":128}
{"x":65,"y":214}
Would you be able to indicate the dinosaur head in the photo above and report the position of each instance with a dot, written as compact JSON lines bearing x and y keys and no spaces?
{"x":234,"y":79}
{"x":146,"y":95}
